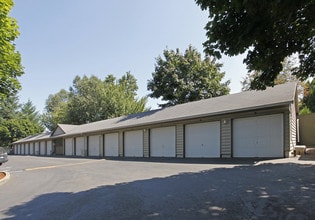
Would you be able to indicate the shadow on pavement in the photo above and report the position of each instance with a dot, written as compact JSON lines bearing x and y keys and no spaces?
{"x":266,"y":191}
{"x":242,"y":161}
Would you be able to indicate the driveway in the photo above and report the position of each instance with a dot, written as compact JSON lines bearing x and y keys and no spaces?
{"x":69,"y":188}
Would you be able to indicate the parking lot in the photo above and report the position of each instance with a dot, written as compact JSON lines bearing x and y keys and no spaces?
{"x":73,"y":188}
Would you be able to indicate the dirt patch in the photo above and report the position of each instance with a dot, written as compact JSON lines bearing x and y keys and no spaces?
{"x":2,"y":175}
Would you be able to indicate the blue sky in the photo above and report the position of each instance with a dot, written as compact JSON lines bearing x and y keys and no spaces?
{"x":63,"y":38}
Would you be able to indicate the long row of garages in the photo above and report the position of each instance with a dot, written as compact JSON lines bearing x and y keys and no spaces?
{"x":260,"y":136}
{"x":202,"y":140}
{"x":34,"y":148}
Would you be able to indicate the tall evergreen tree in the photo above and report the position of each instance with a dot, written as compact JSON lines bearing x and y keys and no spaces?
{"x":17,"y":121}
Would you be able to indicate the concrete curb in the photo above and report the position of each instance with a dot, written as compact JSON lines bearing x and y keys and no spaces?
{"x":5,"y":179}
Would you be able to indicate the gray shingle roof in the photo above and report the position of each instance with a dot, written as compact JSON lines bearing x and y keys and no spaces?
{"x":279,"y":95}
{"x":66,"y":128}
{"x":250,"y":100}
{"x":63,"y":129}
{"x":42,"y":136}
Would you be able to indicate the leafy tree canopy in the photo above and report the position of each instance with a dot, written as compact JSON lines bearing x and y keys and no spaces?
{"x":56,"y":109}
{"x":269,"y":31}
{"x":10,"y":60}
{"x":17,"y":120}
{"x":286,"y":75}
{"x":308,"y":102}
{"x":92,"y":99}
{"x":181,"y":78}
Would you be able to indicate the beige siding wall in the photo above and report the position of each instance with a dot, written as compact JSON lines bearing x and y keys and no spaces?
{"x":58,"y":131}
{"x":286,"y":130}
{"x":290,"y":131}
{"x":102,"y":153}
{"x":307,"y":130}
{"x":293,"y":127}
{"x":226,"y":138}
{"x":180,"y":140}
{"x":121,"y":144}
{"x":146,"y":142}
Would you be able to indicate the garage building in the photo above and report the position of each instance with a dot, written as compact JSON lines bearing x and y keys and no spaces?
{"x":247,"y":124}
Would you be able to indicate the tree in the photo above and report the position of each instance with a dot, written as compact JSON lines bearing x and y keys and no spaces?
{"x":308,"y":103}
{"x":9,"y":107}
{"x":91,"y":99}
{"x":269,"y":31}
{"x":56,"y":109}
{"x":181,"y":78}
{"x":86,"y":100}
{"x":16,"y":128}
{"x":129,"y":83}
{"x":17,"y":120}
{"x":286,"y":75}
{"x":28,"y":111}
{"x":10,"y":60}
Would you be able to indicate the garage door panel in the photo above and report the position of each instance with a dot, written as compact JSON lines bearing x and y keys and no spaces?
{"x":69,"y":147}
{"x":36,"y":148}
{"x":42,"y":148}
{"x":31,"y":148}
{"x":111,"y":145}
{"x":202,"y":140}
{"x":94,"y":145}
{"x":162,"y":142}
{"x":49,"y":147}
{"x":22,"y":149}
{"x":260,"y":136}
{"x":80,"y":150}
{"x":26,"y":151}
{"x":133,"y":142}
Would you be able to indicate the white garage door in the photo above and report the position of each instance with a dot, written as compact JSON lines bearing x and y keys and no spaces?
{"x":260,"y":136}
{"x":94,"y":145}
{"x":31,"y":148}
{"x":22,"y":149}
{"x":111,"y":145}
{"x":202,"y":140}
{"x":162,"y":142}
{"x":69,"y":147}
{"x":42,"y":148}
{"x":133,"y":142}
{"x":49,"y":147}
{"x":36,"y":148}
{"x":79,"y":147}
{"x":26,"y":149}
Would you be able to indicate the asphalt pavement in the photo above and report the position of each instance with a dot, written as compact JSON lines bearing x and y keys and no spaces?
{"x":71,"y":188}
